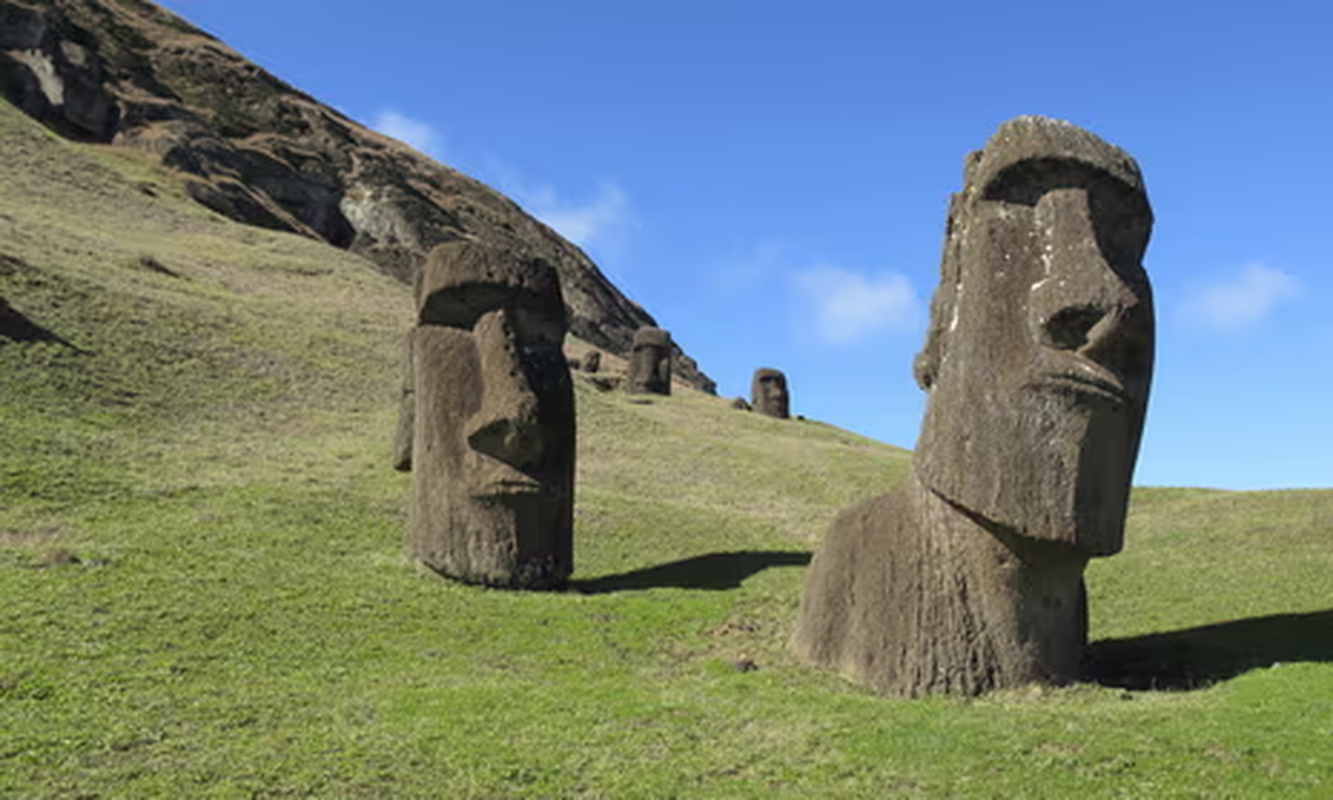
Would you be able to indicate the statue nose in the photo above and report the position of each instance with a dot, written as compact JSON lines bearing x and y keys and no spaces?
{"x":1081,"y":302}
{"x":506,"y":425}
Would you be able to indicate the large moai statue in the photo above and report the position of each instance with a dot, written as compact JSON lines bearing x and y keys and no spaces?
{"x":493,"y":424}
{"x":650,"y":362}
{"x":768,"y":393}
{"x":1037,"y":361}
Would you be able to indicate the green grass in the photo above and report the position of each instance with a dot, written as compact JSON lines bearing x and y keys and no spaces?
{"x":213,"y":449}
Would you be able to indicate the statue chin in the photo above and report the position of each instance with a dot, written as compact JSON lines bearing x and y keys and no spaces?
{"x":1045,"y":466}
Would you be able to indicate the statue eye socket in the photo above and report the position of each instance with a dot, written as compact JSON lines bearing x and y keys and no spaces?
{"x":1025,"y":182}
{"x":536,"y":327}
{"x":533,"y":322}
{"x":461,"y":306}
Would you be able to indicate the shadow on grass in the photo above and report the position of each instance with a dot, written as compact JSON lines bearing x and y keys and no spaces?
{"x":712,"y":571}
{"x":18,"y":328}
{"x":1196,"y":657}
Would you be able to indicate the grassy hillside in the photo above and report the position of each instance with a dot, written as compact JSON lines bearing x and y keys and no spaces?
{"x":204,"y":591}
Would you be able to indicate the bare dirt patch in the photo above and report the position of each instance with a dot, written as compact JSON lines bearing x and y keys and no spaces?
{"x":10,"y":537}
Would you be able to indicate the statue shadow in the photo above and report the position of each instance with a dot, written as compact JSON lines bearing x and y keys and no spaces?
{"x":713,"y":571}
{"x":16,"y":327}
{"x":1194,"y":658}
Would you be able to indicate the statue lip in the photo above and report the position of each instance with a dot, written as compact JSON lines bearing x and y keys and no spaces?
{"x":511,"y":487}
{"x":1088,"y":378}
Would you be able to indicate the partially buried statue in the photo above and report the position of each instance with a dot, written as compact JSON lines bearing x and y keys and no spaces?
{"x":492,"y":454}
{"x":650,"y":362}
{"x":768,"y":393}
{"x":1038,"y":358}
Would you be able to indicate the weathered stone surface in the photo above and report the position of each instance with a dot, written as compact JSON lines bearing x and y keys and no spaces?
{"x":263,"y":153}
{"x":768,"y":393}
{"x":1038,"y":361}
{"x":54,"y":79}
{"x":650,"y":362}
{"x":493,"y":429}
{"x":740,"y":404}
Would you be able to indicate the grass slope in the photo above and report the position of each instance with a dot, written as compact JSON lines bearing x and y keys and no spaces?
{"x":204,"y":427}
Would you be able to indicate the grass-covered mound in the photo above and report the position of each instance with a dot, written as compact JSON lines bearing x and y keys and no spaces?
{"x":204,"y":592}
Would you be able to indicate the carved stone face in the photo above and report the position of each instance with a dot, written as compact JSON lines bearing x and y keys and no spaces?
{"x":1040,"y":349}
{"x":768,"y":393}
{"x":493,"y":451}
{"x":650,"y":362}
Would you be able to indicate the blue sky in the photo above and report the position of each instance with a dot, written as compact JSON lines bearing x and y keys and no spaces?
{"x":770,"y":179}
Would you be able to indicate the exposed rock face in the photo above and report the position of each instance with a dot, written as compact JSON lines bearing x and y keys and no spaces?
{"x":768,"y":393}
{"x":493,"y":441}
{"x":254,"y":149}
{"x":1038,"y":361}
{"x":650,"y":363}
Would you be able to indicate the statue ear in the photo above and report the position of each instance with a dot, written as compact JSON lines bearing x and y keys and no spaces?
{"x":926,"y":366}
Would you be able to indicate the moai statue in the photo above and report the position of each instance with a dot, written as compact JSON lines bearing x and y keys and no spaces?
{"x":1037,"y":361}
{"x":493,"y":428}
{"x":740,"y":404}
{"x":768,"y":393}
{"x":592,"y":361}
{"x":650,"y":362}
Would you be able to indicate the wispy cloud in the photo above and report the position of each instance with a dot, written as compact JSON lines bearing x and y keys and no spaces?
{"x":602,"y":222}
{"x":845,"y":307}
{"x":414,"y":133}
{"x":1239,"y":301}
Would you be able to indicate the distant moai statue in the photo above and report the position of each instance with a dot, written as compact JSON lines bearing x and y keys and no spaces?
{"x":740,"y":404}
{"x":768,"y":393}
{"x":592,"y":361}
{"x":650,"y":362}
{"x":493,"y":430}
{"x":1038,"y":359}
{"x":402,"y":434}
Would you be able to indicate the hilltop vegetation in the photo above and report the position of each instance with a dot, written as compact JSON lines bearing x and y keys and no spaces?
{"x":205,"y":594}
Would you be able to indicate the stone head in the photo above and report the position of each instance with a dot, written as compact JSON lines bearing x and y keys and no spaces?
{"x":592,"y":362}
{"x":1039,"y":354}
{"x":493,"y":455}
{"x":768,"y":393}
{"x":650,"y":362}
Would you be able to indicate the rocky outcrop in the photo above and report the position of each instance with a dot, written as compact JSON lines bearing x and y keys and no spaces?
{"x":256,"y":150}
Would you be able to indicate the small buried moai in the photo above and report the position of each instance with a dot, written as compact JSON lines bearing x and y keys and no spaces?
{"x":650,"y":362}
{"x":1038,"y":358}
{"x":493,"y":428}
{"x":768,"y":393}
{"x":592,"y":361}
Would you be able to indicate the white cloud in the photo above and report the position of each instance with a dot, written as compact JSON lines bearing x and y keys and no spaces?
{"x":602,"y":223}
{"x":848,"y":306}
{"x":412,"y":132}
{"x":1240,"y":301}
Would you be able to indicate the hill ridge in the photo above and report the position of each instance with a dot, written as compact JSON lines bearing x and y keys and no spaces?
{"x":253,"y":148}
